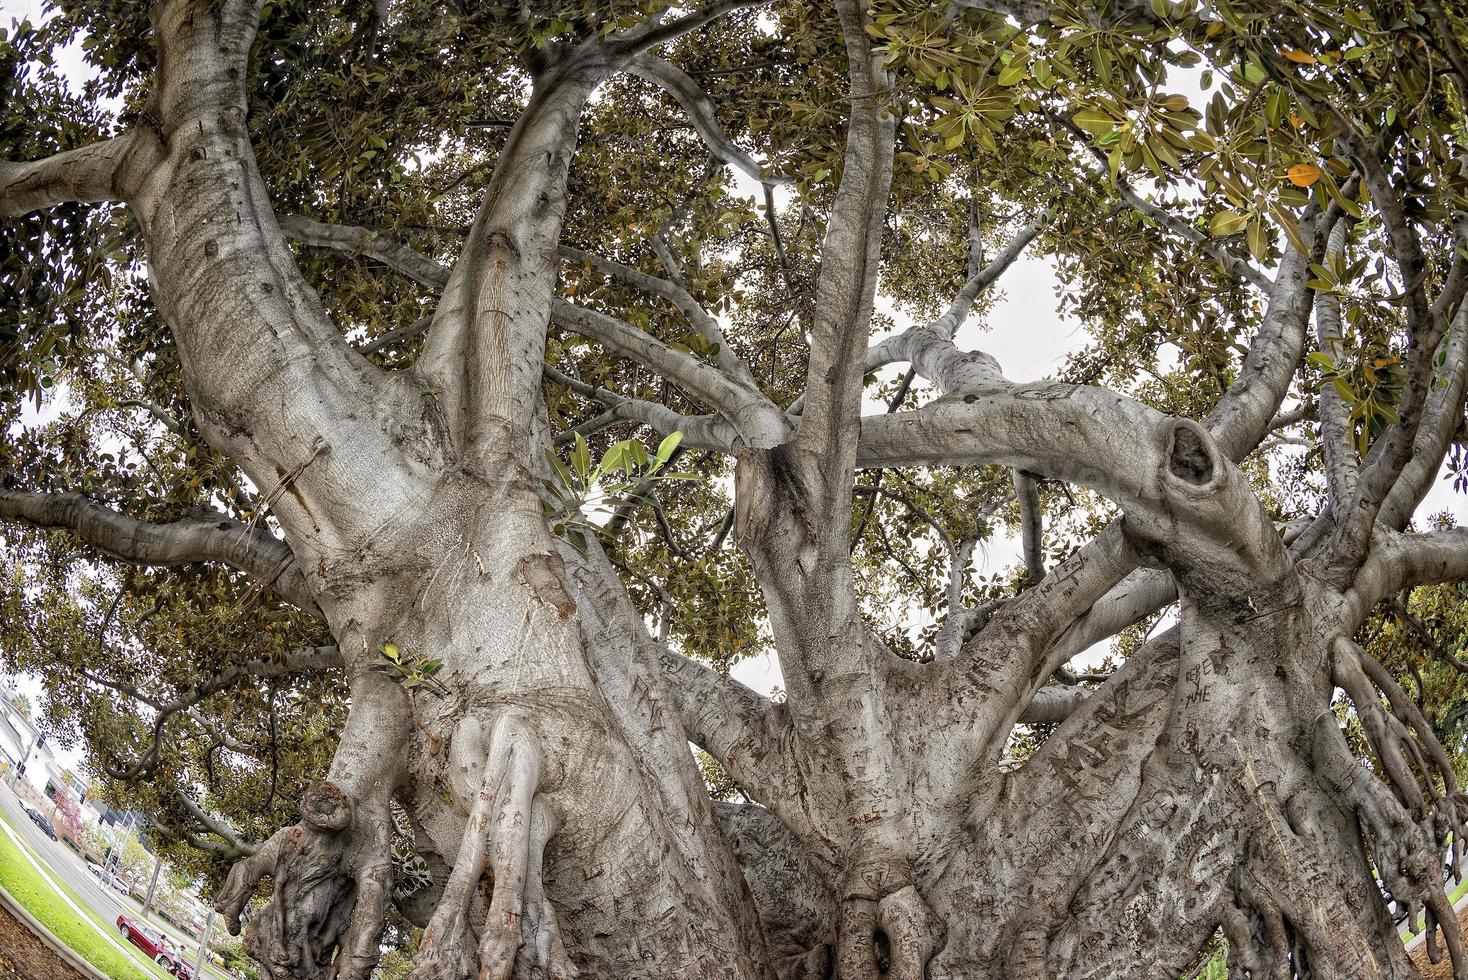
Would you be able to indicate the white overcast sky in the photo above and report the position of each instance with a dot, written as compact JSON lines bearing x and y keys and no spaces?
{"x":1025,"y":333}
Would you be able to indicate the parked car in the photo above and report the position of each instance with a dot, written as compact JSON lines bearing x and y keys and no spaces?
{"x":117,"y":885}
{"x":40,"y":821}
{"x":152,"y":943}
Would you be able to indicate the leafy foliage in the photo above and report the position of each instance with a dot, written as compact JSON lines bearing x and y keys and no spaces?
{"x":1233,"y":118}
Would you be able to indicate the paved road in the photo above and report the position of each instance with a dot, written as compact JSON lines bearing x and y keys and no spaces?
{"x":66,"y":866}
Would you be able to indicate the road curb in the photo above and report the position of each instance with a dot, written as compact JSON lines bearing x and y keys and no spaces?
{"x":62,"y":950}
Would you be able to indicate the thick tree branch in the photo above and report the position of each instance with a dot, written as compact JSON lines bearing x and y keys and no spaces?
{"x":1336,"y":443}
{"x":1241,"y":418}
{"x":677,"y":294}
{"x":1052,"y":705}
{"x":929,"y":347}
{"x":234,"y":846}
{"x":97,"y":172}
{"x":759,"y":422}
{"x":362,"y":241}
{"x":1399,"y":561}
{"x":1032,"y":527}
{"x":1442,"y":421}
{"x":699,"y":431}
{"x":703,"y":114}
{"x":755,"y":416}
{"x":193,"y":538}
{"x":847,"y":283}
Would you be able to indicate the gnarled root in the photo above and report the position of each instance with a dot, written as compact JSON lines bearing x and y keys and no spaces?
{"x":1409,"y":832}
{"x":330,"y":891}
{"x":891,"y":937}
{"x":504,"y":844}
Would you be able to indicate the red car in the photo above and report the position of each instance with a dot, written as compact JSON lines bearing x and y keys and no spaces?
{"x":152,"y":943}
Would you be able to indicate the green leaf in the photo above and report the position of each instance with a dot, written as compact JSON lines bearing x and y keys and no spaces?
{"x":581,"y":457}
{"x":1258,"y":239}
{"x":1013,"y":74}
{"x":1094,"y":121}
{"x":667,"y":446}
{"x":1226,"y":223}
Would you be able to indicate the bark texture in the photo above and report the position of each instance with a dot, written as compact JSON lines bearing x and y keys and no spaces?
{"x":1204,"y":785}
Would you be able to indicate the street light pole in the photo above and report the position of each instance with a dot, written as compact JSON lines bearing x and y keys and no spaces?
{"x":132,"y":826}
{"x":203,"y":946}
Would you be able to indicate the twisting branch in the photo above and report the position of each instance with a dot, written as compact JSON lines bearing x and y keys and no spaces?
{"x":234,"y":846}
{"x":929,"y":346}
{"x":699,"y":431}
{"x":759,"y":422}
{"x":295,"y":662}
{"x":1442,"y":421}
{"x":733,"y":394}
{"x":1398,"y":561}
{"x":677,"y":294}
{"x":1241,"y":418}
{"x":362,"y":241}
{"x":702,"y":113}
{"x":201,"y":536}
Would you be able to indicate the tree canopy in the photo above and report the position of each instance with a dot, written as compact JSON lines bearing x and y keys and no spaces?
{"x":650,"y":314}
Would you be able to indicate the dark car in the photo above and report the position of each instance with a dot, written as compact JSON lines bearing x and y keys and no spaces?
{"x":40,"y":821}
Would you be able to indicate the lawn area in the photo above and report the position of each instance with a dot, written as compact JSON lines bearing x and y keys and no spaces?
{"x":43,"y":901}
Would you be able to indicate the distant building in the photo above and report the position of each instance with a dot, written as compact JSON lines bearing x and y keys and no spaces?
{"x":22,"y":743}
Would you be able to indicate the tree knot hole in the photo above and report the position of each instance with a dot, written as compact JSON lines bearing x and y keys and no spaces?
{"x":1189,"y":457}
{"x":326,"y":807}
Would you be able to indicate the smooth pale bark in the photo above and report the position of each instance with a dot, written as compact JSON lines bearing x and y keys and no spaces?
{"x":547,"y":775}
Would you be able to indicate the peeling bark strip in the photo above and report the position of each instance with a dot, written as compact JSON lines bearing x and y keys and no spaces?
{"x":1204,"y":785}
{"x":543,"y":576}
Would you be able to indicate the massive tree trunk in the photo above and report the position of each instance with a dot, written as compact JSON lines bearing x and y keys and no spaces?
{"x":541,"y":751}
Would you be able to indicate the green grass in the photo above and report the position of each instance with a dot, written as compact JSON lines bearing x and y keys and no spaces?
{"x":43,"y":902}
{"x":109,"y":926}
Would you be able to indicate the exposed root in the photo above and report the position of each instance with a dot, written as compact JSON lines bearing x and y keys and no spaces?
{"x":503,"y":846}
{"x":330,"y":892}
{"x":1408,"y":831}
{"x":908,"y":923}
{"x":891,"y":938}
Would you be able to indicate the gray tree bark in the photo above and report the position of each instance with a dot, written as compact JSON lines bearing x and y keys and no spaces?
{"x":1204,"y":785}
